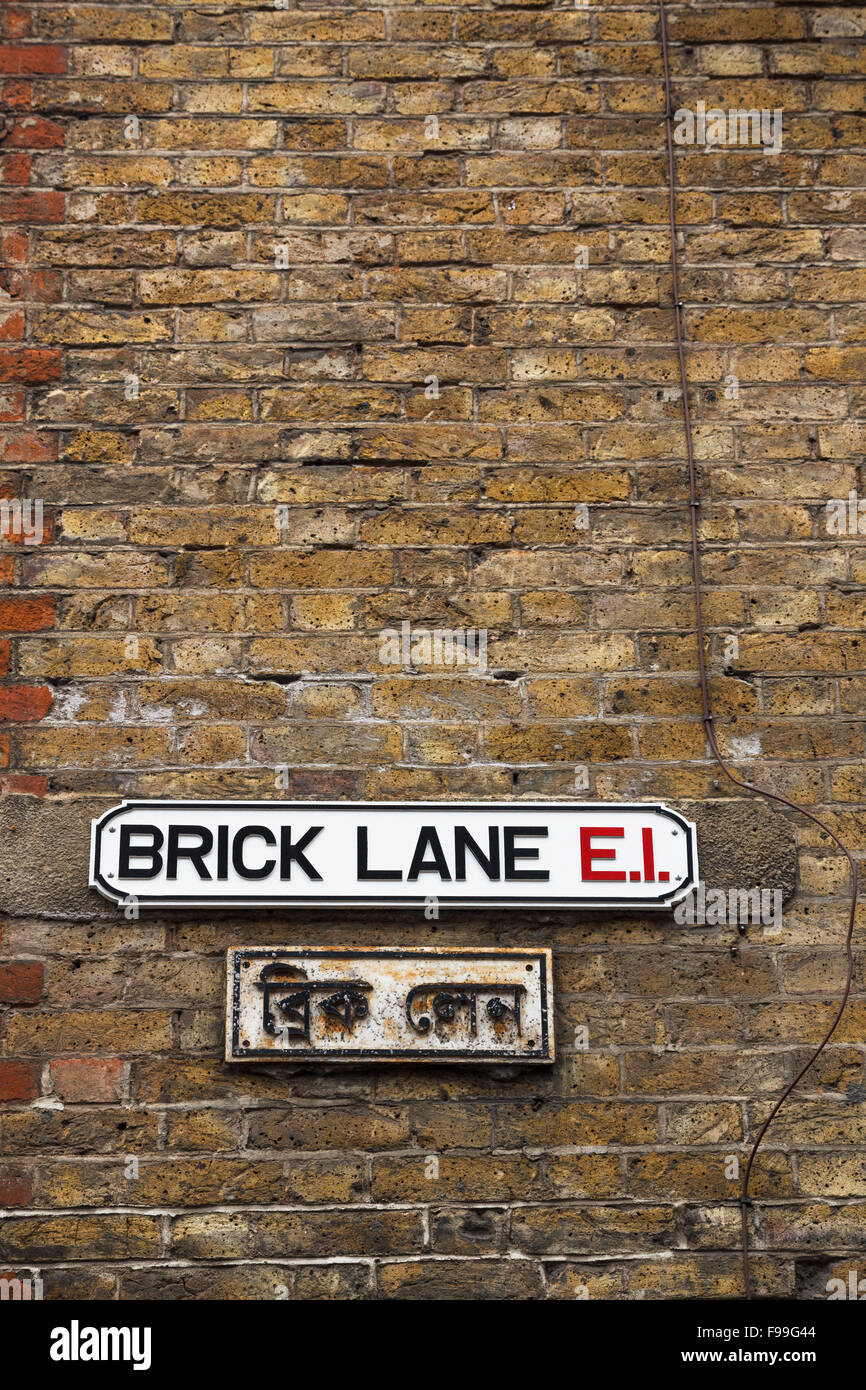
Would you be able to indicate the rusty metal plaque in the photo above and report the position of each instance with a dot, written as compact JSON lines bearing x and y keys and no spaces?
{"x":391,"y":1004}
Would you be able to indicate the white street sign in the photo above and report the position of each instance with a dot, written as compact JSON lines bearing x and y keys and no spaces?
{"x":392,"y":854}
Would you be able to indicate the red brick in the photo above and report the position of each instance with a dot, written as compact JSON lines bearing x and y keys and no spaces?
{"x":26,"y":446}
{"x":26,"y":614}
{"x":16,"y":1186}
{"x":18,"y":1080}
{"x":38,"y":59}
{"x":15,"y":168}
{"x":23,"y":784}
{"x":18,"y":96}
{"x":15,"y":23}
{"x":7,"y":569}
{"x":88,"y":1078}
{"x":32,"y":207}
{"x":35,"y":133}
{"x":30,"y":366}
{"x":21,"y":981}
{"x":12,"y":326}
{"x":44,"y":285}
{"x":12,"y":408}
{"x":29,"y":448}
{"x":5,"y":648}
{"x":13,"y":248}
{"x":24,"y":703}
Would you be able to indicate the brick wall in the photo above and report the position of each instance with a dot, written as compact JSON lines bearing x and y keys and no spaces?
{"x":318,"y":320}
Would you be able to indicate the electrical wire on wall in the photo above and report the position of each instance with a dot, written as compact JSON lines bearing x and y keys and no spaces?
{"x":694,"y":506}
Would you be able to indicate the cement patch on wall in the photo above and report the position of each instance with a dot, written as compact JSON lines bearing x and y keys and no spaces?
{"x":741,"y":844}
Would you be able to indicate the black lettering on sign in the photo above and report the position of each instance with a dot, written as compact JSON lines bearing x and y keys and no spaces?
{"x":489,"y":862}
{"x":222,"y":852}
{"x":194,"y":853}
{"x":428,"y":839}
{"x":363,"y":852}
{"x":247,"y":833}
{"x":294,"y":854}
{"x":128,"y":851}
{"x":512,"y":853}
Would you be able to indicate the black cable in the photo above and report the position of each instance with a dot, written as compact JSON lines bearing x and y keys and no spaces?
{"x":694,"y":502}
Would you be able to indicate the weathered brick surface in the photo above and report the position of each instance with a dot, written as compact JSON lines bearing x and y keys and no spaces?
{"x":319,"y":320}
